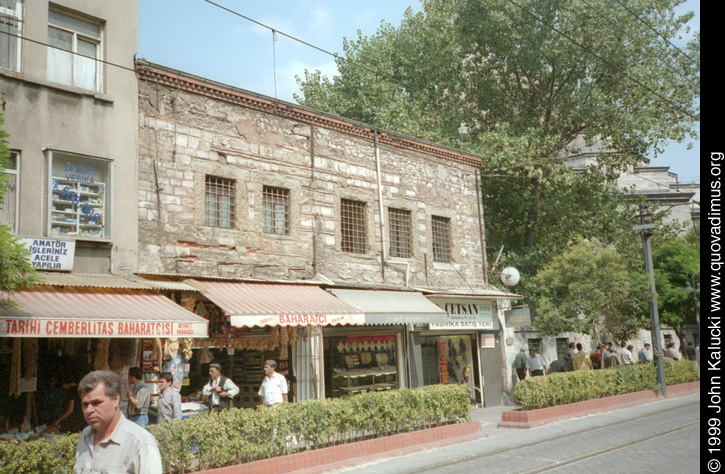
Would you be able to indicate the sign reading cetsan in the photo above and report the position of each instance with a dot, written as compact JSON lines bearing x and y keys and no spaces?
{"x":466,"y":314}
{"x":51,"y":254}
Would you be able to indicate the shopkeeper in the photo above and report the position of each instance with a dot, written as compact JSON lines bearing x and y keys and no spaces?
{"x":220,"y":389}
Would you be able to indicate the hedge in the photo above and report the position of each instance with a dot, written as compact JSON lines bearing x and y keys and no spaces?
{"x":238,"y":436}
{"x":569,"y":387}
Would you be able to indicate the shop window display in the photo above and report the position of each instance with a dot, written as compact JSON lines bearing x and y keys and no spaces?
{"x":358,"y":364}
{"x":448,"y":360}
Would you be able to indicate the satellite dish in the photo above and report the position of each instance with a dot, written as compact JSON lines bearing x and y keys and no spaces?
{"x":510,"y":276}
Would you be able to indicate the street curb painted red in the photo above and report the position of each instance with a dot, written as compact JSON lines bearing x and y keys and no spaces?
{"x":542,"y":416}
{"x":334,"y":457}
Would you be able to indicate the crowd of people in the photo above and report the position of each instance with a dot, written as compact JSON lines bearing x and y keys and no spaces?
{"x":605,"y":356}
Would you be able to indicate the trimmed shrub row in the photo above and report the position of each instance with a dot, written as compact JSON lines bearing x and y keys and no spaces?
{"x":239,"y":436}
{"x":580,"y":385}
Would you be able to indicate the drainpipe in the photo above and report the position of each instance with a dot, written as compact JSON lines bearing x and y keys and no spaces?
{"x":482,"y":231}
{"x":380,"y":205}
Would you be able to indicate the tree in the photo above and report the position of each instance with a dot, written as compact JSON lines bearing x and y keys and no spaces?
{"x":590,"y":289}
{"x":15,"y":268}
{"x":672,"y":262}
{"x":534,"y":82}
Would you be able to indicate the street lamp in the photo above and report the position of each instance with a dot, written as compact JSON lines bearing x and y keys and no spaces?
{"x":694,"y":289}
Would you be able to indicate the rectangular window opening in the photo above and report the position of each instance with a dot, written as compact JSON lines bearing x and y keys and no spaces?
{"x":74,"y":51}
{"x":219,"y":202}
{"x":275,"y":210}
{"x":11,"y":32}
{"x":441,"y":230}
{"x":352,"y":226}
{"x":400,"y":235}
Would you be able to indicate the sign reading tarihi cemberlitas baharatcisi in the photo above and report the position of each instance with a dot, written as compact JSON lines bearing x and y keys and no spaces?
{"x":51,"y":254}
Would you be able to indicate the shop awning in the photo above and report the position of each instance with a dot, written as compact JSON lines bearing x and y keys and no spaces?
{"x":48,"y":311}
{"x":263,"y":304}
{"x":393,"y":307}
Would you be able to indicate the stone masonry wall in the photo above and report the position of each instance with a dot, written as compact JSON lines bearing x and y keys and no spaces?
{"x":185,"y":136}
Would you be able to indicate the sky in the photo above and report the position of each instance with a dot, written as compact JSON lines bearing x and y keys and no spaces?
{"x":197,"y":37}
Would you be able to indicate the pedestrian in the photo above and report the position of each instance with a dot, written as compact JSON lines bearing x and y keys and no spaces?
{"x":670,"y":352}
{"x":220,"y":389}
{"x":624,"y":355}
{"x":169,"y":399}
{"x":111,"y":443}
{"x":561,"y":365}
{"x":596,"y":357}
{"x":71,"y":420}
{"x":570,"y":350}
{"x":274,"y":385}
{"x":535,"y":363}
{"x":520,"y":363}
{"x":139,"y":398}
{"x":644,"y":354}
{"x":687,"y":350}
{"x":610,"y":357}
{"x":581,"y":361}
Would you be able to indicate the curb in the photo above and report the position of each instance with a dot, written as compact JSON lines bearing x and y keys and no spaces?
{"x":542,"y":416}
{"x":334,"y":457}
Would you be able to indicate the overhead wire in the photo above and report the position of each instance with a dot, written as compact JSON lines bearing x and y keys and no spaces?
{"x":613,"y":23}
{"x":696,"y":63}
{"x":608,"y":63}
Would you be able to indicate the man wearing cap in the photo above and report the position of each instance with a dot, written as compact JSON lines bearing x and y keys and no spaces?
{"x":220,"y":389}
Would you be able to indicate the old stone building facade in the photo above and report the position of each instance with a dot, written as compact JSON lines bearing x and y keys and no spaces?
{"x":191,"y":130}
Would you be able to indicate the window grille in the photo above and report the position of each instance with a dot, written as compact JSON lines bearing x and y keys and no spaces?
{"x":534,"y":343}
{"x":441,"y":229}
{"x":219,"y":202}
{"x":275,"y":215}
{"x":562,"y":344}
{"x":399,"y":233}
{"x":352,"y":226}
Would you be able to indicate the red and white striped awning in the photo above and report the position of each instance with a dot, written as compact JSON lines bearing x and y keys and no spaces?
{"x":264,"y":304}
{"x":48,"y":311}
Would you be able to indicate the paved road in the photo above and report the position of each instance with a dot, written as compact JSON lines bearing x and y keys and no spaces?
{"x":660,"y":437}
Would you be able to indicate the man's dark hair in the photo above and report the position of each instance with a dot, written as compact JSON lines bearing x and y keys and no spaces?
{"x":166,"y":376}
{"x":579,"y":346}
{"x":567,"y":358}
{"x":647,"y":344}
{"x":110,"y":380}
{"x":630,"y":347}
{"x":136,"y":373}
{"x":571,"y":344}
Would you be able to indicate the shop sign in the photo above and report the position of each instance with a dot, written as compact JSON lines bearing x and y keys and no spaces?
{"x":296,"y":320}
{"x":466,"y":315}
{"x":488,"y":341}
{"x":23,"y":327}
{"x":51,"y":254}
{"x":517,"y":317}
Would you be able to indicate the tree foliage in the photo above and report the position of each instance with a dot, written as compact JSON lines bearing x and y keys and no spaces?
{"x":590,"y":289}
{"x":532,"y":84}
{"x":15,"y":268}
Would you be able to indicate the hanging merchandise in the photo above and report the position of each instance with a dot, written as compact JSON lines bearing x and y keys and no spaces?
{"x":15,"y":368}
{"x":206,"y":356}
{"x":176,"y":363}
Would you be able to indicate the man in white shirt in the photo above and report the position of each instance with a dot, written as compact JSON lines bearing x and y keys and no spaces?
{"x":169,"y":399}
{"x":220,"y":389}
{"x":112,"y":443}
{"x":274,"y":385}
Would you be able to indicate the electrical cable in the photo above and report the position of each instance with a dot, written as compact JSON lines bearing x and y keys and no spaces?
{"x":613,"y":23}
{"x":696,"y":63}
{"x":587,"y":50}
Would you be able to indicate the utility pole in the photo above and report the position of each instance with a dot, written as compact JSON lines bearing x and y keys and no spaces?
{"x":657,"y":352}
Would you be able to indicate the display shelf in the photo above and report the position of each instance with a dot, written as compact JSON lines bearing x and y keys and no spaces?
{"x":77,"y":209}
{"x":352,"y":382}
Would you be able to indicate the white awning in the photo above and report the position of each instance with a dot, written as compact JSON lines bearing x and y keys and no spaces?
{"x":393,"y":307}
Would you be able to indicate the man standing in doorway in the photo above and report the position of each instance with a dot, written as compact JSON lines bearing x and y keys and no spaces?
{"x":520,"y":364}
{"x":169,"y":399}
{"x":274,"y":385}
{"x":138,"y":399}
{"x":220,"y":389}
{"x":110,"y":442}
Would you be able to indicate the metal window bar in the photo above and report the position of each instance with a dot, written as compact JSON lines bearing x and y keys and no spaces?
{"x":535,"y":344}
{"x":561,"y":345}
{"x":219,"y":202}
{"x":275,"y":210}
{"x":352,"y":226}
{"x":441,"y":230}
{"x":399,"y":233}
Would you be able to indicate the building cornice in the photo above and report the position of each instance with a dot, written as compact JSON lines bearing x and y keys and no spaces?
{"x":197,"y":85}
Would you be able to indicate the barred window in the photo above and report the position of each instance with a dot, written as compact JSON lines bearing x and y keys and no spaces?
{"x":535,"y":344}
{"x":441,"y":229}
{"x":219,"y":202}
{"x":352,"y":226}
{"x":562,"y":344}
{"x":275,"y":214}
{"x":399,"y":233}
